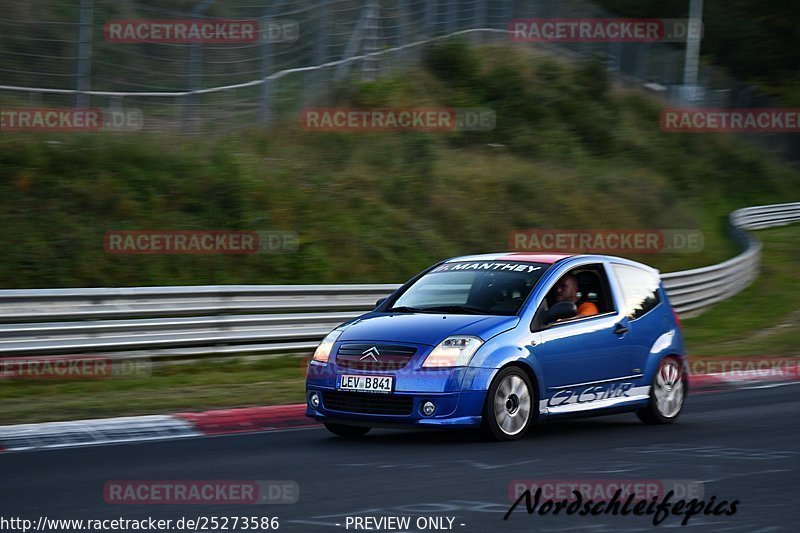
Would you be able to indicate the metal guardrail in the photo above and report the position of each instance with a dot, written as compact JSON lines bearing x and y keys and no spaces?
{"x":691,"y":291}
{"x":174,"y":322}
{"x":185,"y":322}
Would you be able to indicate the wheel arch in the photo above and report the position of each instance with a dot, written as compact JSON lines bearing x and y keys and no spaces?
{"x":684,"y":367}
{"x":535,"y":384}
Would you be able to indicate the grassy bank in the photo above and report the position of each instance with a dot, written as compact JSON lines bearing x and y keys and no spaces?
{"x":569,"y":151}
{"x":764,"y":319}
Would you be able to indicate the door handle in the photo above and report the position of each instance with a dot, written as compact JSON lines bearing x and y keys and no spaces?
{"x":620,"y":329}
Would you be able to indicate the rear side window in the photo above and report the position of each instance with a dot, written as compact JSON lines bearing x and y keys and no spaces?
{"x":639,"y":290}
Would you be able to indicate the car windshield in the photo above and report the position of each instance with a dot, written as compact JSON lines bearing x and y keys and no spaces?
{"x":472,"y":287}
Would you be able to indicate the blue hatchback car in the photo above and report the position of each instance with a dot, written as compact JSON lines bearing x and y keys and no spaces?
{"x":501,"y":342}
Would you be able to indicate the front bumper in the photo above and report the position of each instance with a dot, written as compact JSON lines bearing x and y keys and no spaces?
{"x":403,"y":407}
{"x":462,"y":409}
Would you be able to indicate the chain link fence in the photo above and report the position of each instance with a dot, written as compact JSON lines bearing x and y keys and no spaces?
{"x":59,"y":53}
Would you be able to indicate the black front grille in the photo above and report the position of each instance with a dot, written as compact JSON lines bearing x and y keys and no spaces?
{"x":374,"y":356}
{"x":368,"y":403}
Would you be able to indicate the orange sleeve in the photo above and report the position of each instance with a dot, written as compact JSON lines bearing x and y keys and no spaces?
{"x":587,"y":309}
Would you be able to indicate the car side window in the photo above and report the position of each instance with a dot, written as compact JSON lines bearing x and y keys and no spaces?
{"x":639,"y":290}
{"x":588,"y":288}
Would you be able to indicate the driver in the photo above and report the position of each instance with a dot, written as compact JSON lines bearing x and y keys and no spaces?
{"x":567,"y":291}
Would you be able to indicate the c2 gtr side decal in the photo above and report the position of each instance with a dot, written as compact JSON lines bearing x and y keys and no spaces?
{"x":592,"y":397}
{"x":589,"y":394}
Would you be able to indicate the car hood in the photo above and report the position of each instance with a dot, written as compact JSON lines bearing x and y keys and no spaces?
{"x":424,"y":328}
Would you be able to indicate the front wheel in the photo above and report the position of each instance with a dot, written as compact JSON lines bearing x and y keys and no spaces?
{"x":509,"y":405}
{"x":350,"y":432}
{"x":666,"y":395}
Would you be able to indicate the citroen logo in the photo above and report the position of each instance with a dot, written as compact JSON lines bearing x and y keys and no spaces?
{"x":371,"y":352}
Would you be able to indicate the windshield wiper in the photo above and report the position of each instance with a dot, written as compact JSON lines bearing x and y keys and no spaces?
{"x":471,"y":309}
{"x":404,"y":309}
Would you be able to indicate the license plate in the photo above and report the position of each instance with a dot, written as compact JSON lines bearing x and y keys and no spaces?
{"x":351,"y":382}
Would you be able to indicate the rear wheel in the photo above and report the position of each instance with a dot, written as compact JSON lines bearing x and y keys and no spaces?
{"x":509,"y":405}
{"x":350,"y":432}
{"x":666,"y":395}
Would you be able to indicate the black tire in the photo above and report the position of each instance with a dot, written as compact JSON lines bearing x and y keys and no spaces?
{"x":670,"y":381}
{"x":507,"y":413}
{"x":350,"y":432}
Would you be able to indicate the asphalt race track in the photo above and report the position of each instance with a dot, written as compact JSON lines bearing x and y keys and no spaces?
{"x":741,"y":445}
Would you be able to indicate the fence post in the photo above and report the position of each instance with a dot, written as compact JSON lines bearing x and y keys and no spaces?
{"x":689,"y":92}
{"x":402,"y":27}
{"x":268,"y":86}
{"x":452,"y":9}
{"x":430,"y":17}
{"x":370,"y":65}
{"x":321,"y":48}
{"x":266,"y":64}
{"x":84,"y":68}
{"x":614,"y":63}
{"x":195,"y":58}
{"x":266,"y":67}
{"x":642,"y":61}
{"x":479,"y":21}
{"x":356,"y":40}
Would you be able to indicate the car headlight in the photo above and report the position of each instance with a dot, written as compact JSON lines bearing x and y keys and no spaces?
{"x":453,"y":351}
{"x":323,"y":351}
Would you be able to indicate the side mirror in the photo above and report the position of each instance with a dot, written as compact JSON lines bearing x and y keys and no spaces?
{"x":560,"y":311}
{"x":379,"y":302}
